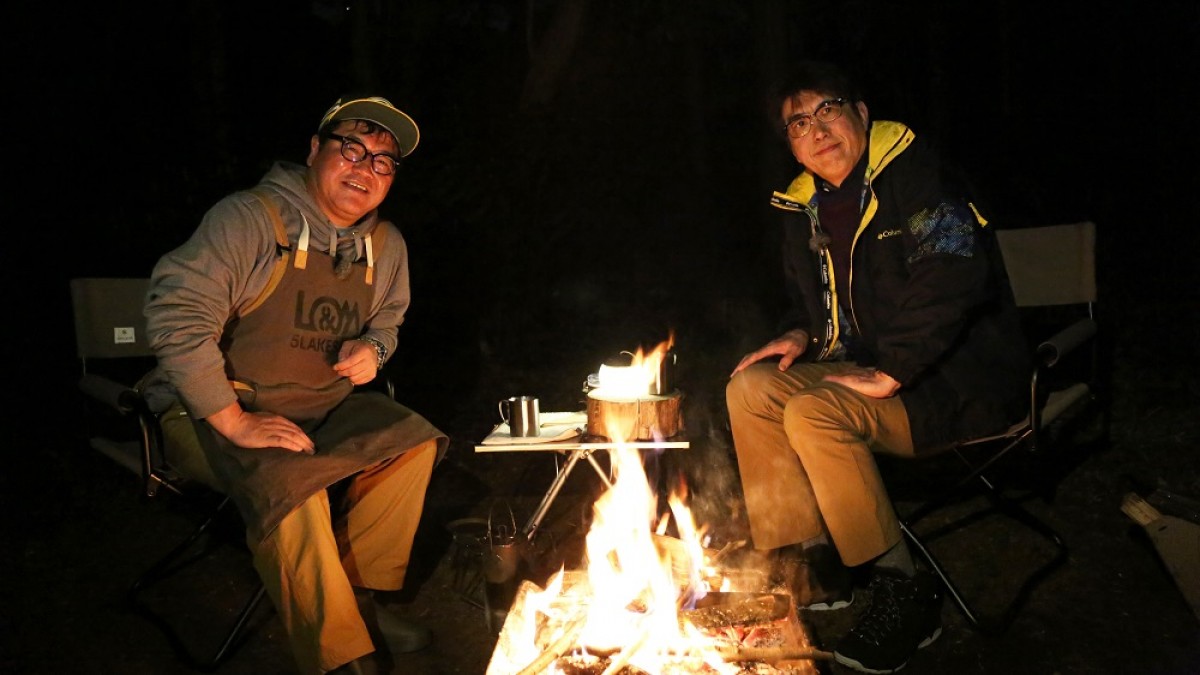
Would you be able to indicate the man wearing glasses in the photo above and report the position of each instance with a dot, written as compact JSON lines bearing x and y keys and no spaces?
{"x":902,"y":337}
{"x":285,"y":299}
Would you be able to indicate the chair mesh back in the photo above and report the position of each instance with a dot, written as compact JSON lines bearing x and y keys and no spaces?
{"x":1053,"y":265}
{"x":108,"y":317}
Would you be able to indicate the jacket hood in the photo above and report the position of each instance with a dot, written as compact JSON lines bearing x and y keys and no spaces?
{"x":287,"y":180}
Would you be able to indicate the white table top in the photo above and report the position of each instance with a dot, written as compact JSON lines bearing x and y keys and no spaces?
{"x":580,"y":445}
{"x":562,"y":431}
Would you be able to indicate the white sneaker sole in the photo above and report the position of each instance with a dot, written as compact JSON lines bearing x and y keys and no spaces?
{"x":851,"y":663}
{"x":827,"y":606}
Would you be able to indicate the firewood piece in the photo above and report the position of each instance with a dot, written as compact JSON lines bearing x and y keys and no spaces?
{"x":1177,"y":542}
{"x":727,"y":549}
{"x":560,"y":647}
{"x":632,"y":419}
{"x":622,"y":659}
{"x":774,"y":654}
{"x":738,"y":609}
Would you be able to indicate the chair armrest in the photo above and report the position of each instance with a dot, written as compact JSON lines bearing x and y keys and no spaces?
{"x":117,"y":396}
{"x":1065,"y":341}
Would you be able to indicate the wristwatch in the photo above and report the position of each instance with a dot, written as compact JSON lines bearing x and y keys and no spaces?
{"x":380,"y":350}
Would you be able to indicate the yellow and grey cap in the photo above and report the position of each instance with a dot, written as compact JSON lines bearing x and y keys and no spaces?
{"x":380,"y":111}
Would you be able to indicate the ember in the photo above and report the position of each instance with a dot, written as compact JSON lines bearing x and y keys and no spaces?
{"x":735,"y":634}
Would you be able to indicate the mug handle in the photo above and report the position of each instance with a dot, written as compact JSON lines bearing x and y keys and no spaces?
{"x":503,"y":417}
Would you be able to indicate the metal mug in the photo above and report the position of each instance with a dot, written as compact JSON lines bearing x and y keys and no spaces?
{"x":520,"y":413}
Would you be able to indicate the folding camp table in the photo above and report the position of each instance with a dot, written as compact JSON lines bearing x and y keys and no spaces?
{"x":576,"y":446}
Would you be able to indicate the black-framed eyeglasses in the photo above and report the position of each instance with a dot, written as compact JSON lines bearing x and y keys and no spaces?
{"x":354,"y":151}
{"x":799,"y":125}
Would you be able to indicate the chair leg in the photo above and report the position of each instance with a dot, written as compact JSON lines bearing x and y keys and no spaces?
{"x":235,"y":632}
{"x":164,"y":568}
{"x":1017,"y":513}
{"x":932,"y":562}
{"x":1001,"y":621}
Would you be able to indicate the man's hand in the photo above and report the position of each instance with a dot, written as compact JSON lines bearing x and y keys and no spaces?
{"x":358,"y":361}
{"x":868,"y":382}
{"x":788,"y":347}
{"x":260,"y":430}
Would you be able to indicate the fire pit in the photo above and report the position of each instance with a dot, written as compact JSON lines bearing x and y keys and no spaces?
{"x":649,"y":598}
{"x":730,"y":633}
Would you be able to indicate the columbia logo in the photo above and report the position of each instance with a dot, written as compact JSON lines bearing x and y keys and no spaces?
{"x":888,"y":233}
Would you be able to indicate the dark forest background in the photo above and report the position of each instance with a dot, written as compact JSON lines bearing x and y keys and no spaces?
{"x":592,"y":174}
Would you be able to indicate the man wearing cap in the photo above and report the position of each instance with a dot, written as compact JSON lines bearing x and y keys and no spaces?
{"x":284,"y":299}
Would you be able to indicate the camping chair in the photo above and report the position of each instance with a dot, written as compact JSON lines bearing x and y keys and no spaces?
{"x":1052,"y":272}
{"x":113,"y":355}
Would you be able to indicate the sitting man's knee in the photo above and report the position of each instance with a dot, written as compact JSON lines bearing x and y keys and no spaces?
{"x":748,"y":387}
{"x":820,"y":406}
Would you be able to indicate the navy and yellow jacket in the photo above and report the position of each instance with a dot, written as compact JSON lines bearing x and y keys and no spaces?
{"x":928,"y":301}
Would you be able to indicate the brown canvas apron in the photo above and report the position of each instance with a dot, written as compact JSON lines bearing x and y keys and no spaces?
{"x":280,"y":358}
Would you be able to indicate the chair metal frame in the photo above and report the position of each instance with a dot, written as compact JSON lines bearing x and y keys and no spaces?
{"x":109,"y":326}
{"x":983,"y":455}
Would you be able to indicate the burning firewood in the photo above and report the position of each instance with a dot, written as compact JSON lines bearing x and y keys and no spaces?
{"x":774,"y":654}
{"x":644,"y":417}
{"x":570,"y":633}
{"x":718,"y":610}
{"x":621,"y":659}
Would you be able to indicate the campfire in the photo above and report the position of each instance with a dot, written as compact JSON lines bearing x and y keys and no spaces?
{"x":650,"y":597}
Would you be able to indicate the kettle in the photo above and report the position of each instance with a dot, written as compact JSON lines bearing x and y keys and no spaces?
{"x":663,"y":378}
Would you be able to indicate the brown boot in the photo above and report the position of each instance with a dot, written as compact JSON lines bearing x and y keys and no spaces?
{"x":391,"y":633}
{"x":816,"y":577}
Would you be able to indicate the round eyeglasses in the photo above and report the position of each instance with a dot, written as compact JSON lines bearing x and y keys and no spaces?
{"x":354,"y":151}
{"x":799,"y":125}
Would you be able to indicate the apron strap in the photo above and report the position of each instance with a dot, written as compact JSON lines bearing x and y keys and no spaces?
{"x":281,"y":245}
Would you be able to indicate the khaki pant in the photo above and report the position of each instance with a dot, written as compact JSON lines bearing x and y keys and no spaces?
{"x":312,"y":562}
{"x":804,"y":450}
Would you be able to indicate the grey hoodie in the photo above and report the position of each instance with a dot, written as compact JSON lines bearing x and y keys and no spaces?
{"x":196,"y":289}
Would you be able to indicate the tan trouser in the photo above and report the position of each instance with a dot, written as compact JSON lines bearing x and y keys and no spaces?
{"x":804,"y":452}
{"x":312,"y":562}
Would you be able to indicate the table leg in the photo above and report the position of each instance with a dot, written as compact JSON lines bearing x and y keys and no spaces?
{"x":535,"y":520}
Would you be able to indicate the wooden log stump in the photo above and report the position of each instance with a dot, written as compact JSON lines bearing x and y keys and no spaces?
{"x":645,"y":418}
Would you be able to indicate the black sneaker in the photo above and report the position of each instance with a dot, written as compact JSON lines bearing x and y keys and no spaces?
{"x":817,"y":579}
{"x":904,"y":616}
